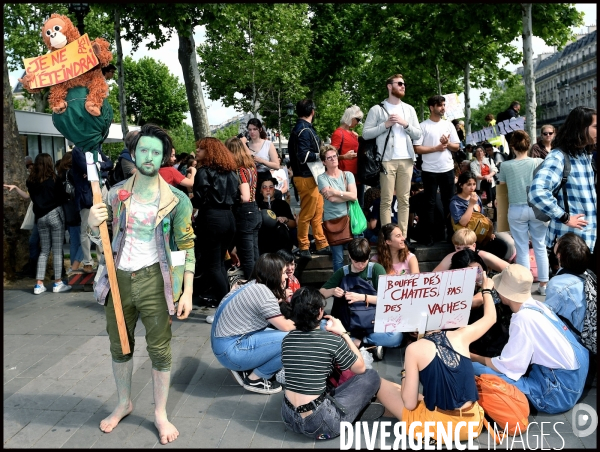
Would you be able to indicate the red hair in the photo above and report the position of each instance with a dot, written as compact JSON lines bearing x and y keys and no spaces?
{"x":216,"y":155}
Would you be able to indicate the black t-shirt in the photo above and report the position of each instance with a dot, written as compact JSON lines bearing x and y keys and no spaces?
{"x":46,"y":196}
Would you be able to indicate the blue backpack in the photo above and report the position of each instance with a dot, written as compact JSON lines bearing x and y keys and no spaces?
{"x":357,"y":317}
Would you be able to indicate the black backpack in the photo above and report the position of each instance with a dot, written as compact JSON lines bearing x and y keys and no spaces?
{"x":369,"y":165}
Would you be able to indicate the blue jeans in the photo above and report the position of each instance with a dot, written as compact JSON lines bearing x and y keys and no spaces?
{"x":550,"y":390}
{"x":76,"y":252}
{"x":337,"y":255}
{"x":260,"y":351}
{"x":522,"y":223}
{"x":384,"y":339}
{"x":324,"y":422}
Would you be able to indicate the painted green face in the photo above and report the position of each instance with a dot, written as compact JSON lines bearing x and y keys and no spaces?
{"x":148,"y":156}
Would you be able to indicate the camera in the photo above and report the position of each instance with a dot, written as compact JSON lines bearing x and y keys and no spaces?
{"x":244,"y":134}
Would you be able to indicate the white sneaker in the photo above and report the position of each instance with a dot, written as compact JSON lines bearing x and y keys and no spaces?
{"x":39,"y":289}
{"x":60,"y":287}
{"x":210,"y":318}
{"x":542,"y":290}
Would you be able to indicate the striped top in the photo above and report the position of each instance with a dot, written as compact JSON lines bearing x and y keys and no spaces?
{"x":518,"y":174}
{"x":308,"y":358}
{"x":248,"y":311}
{"x":249,"y":176}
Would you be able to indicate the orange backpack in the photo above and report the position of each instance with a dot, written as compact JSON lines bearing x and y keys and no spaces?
{"x":504,"y":403}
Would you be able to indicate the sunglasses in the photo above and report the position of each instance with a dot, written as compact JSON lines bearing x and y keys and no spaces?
{"x":547,"y":133}
{"x":358,"y":120}
{"x":399,"y":83}
{"x":269,"y":187}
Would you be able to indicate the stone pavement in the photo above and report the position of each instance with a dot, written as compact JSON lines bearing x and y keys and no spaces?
{"x":58,"y":385}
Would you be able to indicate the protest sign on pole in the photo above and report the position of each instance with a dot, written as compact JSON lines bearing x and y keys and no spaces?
{"x":454,"y":107}
{"x":445,"y":298}
{"x":64,"y":64}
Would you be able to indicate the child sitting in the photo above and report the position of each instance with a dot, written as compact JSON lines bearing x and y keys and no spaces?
{"x":539,"y":341}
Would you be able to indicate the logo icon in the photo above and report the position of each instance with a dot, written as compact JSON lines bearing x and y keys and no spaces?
{"x":584,"y":420}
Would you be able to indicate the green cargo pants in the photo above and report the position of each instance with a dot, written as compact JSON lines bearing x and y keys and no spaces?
{"x":142,"y":294}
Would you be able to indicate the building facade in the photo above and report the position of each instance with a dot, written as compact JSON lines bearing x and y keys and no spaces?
{"x":567,"y":79}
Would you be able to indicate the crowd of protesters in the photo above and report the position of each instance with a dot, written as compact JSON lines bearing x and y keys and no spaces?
{"x":273,"y":333}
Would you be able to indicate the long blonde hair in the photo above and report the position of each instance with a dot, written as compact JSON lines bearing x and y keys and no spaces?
{"x":240,"y":154}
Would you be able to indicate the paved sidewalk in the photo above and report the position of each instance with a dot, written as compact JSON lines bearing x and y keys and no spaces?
{"x":58,"y":385}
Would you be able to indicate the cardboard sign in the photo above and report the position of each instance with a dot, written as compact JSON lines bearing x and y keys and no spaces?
{"x":454,"y":107}
{"x":71,"y":61}
{"x":443,"y":297}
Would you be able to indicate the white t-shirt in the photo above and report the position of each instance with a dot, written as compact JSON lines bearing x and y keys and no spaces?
{"x":534,"y":340}
{"x":398,"y":147}
{"x":437,"y":162}
{"x":140,"y":250}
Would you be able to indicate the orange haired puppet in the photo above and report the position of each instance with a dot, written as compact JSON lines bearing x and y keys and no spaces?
{"x":57,"y":32}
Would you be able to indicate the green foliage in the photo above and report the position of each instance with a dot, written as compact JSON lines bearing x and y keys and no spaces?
{"x":183,"y":138}
{"x":226,"y":133}
{"x":553,"y":22}
{"x":153,"y":93}
{"x":331,"y":105}
{"x":499,"y":99}
{"x":113,"y":150}
{"x":254,"y":50}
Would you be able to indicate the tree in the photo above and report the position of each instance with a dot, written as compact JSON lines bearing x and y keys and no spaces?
{"x":331,"y":105}
{"x":158,"y":23}
{"x":498,"y":100}
{"x":22,"y":34}
{"x":183,"y":138}
{"x":246,"y":53}
{"x":15,"y":240}
{"x":153,"y":93}
{"x":227,"y":132}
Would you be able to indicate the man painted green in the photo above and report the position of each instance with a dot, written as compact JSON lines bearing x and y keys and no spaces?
{"x":153,"y":245}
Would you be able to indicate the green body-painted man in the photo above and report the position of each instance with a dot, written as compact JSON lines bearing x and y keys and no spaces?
{"x":153,"y":245}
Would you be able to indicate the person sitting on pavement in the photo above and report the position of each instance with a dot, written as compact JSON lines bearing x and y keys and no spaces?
{"x":496,"y":337}
{"x":357,"y":283}
{"x":279,"y":234}
{"x":463,"y":239}
{"x":542,"y":357}
{"x":440,"y":362}
{"x":308,"y":355}
{"x":241,"y":337}
{"x":291,"y":284}
{"x":393,"y":254}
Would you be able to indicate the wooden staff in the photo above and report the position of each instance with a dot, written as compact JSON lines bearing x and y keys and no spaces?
{"x":92,"y":174}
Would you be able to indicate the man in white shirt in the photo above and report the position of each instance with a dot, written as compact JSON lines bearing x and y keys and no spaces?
{"x":436,"y":145}
{"x":537,"y":338}
{"x":395,"y":125}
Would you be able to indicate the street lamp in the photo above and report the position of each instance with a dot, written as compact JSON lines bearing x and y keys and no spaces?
{"x":80,"y":10}
{"x":290,"y":112}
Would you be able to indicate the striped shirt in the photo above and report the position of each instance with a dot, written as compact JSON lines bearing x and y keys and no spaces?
{"x":581,"y":194}
{"x":249,"y":176}
{"x":248,"y":311}
{"x":308,"y":358}
{"x":518,"y":174}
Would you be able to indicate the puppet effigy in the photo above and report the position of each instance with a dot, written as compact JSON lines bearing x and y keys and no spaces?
{"x":57,"y":32}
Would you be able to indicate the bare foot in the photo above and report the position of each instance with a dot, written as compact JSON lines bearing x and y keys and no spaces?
{"x":107,"y":425}
{"x":166,"y":431}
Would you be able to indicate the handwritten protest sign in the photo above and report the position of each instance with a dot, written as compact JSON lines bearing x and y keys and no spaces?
{"x":71,"y":61}
{"x":445,"y":297}
{"x":454,"y":107}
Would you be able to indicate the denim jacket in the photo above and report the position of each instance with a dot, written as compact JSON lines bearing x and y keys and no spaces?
{"x":565,"y":297}
{"x":173,"y":231}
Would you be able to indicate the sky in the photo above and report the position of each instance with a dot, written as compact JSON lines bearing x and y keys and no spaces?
{"x":218,"y":113}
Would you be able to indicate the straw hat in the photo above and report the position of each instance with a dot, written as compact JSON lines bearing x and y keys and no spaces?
{"x":514,"y":283}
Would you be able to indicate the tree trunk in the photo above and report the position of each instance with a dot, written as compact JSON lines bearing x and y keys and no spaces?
{"x":437,"y":75}
{"x":467,"y":100}
{"x":529,"y":77}
{"x":15,"y":240}
{"x":121,"y":77}
{"x":41,"y":101}
{"x":193,"y":88}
